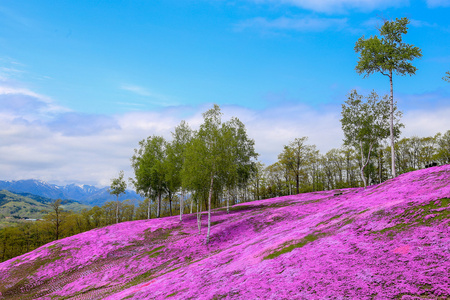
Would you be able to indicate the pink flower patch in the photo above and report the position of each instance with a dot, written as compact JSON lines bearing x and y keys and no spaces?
{"x":402,"y":249}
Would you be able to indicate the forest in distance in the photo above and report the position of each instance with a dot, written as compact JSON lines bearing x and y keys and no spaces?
{"x":216,"y":166}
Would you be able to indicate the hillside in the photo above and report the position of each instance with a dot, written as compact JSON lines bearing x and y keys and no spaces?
{"x":86,"y":194}
{"x":390,"y":241}
{"x":30,"y":206}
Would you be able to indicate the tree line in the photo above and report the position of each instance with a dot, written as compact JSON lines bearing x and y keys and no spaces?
{"x":302,"y":168}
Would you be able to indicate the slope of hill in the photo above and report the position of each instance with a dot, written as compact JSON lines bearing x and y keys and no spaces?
{"x":390,"y":241}
{"x":25,"y":205}
{"x":86,"y":194}
{"x":13,"y":205}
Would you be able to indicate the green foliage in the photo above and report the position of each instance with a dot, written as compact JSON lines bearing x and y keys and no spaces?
{"x":149,"y":165}
{"x":118,"y":185}
{"x":388,"y":53}
{"x":294,"y":158}
{"x":366,"y":124}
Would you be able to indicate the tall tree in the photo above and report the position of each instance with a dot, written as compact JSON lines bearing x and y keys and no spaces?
{"x":175,"y":161}
{"x":118,"y":187}
{"x":209,"y":135}
{"x":56,"y":217}
{"x":388,"y":55}
{"x":148,"y":163}
{"x":238,"y":152}
{"x":294,"y":157}
{"x":218,"y":155}
{"x":365,"y":125}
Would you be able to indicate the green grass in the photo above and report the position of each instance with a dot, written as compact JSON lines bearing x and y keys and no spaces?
{"x":288,"y":248}
{"x":154,"y":252}
{"x":415,"y":216}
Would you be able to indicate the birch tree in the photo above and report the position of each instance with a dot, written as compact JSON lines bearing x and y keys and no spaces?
{"x":365,"y":125}
{"x":118,"y":187}
{"x":176,"y":158}
{"x":388,"y":55}
{"x":148,"y":163}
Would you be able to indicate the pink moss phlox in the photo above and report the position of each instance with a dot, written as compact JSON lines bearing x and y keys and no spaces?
{"x":382,"y":242}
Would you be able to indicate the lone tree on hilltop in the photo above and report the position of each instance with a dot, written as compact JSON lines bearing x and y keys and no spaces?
{"x":388,"y":55}
{"x":118,"y":186}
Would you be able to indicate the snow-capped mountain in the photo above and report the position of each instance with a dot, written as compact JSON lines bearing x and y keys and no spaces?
{"x":86,"y":194}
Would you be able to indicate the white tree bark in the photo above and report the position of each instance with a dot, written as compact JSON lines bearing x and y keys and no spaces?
{"x":209,"y":208}
{"x":391,"y":127}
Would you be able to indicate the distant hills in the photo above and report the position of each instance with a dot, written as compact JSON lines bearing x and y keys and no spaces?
{"x":86,"y":194}
{"x":29,"y":206}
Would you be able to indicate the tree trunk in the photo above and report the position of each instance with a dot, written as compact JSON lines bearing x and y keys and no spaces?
{"x":209,"y":209}
{"x":158,"y":210}
{"x":170,"y":203}
{"x":363,"y":165}
{"x":192,"y":203}
{"x":149,"y":209}
{"x":228,"y":203}
{"x":391,"y":127}
{"x":199,"y":216}
{"x":117,"y":210}
{"x":181,"y":205}
{"x":297,"y":178}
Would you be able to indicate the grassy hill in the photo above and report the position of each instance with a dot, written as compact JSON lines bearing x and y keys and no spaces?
{"x":389,"y":241}
{"x":29,"y":206}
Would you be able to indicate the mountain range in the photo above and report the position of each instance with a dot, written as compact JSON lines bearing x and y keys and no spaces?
{"x":387,"y":241}
{"x":85,"y":194}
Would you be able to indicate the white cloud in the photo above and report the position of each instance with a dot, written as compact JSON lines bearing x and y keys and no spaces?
{"x":296,"y":24}
{"x":332,"y":6}
{"x":438,"y":3}
{"x":426,"y":122}
{"x":74,"y":147}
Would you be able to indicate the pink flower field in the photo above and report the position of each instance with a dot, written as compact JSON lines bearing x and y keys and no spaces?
{"x":390,"y":241}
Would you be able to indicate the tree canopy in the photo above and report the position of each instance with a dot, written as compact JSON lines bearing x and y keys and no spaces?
{"x":366,"y":124}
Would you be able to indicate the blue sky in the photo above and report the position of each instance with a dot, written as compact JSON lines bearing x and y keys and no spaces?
{"x":81,"y":82}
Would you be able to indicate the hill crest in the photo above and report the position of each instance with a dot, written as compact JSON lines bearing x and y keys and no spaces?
{"x":389,"y":241}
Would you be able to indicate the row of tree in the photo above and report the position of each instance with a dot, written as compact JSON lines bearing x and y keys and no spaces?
{"x":302,"y":168}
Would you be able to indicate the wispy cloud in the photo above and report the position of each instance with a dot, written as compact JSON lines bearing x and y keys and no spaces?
{"x":339,"y":6}
{"x":419,"y":23}
{"x":153,"y":97}
{"x":26,"y":103}
{"x":438,"y":3}
{"x":307,"y":24}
